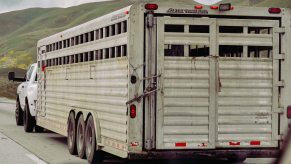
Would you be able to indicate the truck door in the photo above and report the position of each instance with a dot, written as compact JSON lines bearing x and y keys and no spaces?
{"x":23,"y":93}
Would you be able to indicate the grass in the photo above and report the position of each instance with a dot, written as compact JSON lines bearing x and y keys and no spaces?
{"x":20,"y":30}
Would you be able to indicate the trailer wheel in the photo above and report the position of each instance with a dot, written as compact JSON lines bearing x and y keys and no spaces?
{"x":29,"y":121}
{"x":81,"y":137}
{"x":93,"y":156}
{"x":18,"y":113}
{"x":71,"y":139}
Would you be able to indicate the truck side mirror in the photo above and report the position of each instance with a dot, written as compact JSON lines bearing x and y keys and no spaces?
{"x":11,"y":76}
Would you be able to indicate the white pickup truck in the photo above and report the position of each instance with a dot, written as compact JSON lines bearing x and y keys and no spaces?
{"x":26,"y":99}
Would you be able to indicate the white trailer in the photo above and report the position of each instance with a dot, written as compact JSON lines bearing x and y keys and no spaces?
{"x":169,"y":81}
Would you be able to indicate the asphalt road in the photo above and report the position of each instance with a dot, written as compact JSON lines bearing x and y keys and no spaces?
{"x":16,"y":146}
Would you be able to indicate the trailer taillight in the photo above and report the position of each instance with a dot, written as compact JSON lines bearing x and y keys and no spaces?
{"x":198,"y":7}
{"x":289,"y":112}
{"x":151,"y":6}
{"x":43,"y":68}
{"x":132,"y":111}
{"x":274,"y":10}
{"x":214,"y":7}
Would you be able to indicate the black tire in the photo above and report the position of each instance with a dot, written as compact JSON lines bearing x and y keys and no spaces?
{"x":28,"y":120}
{"x":81,"y":137}
{"x":18,"y":113}
{"x":236,"y":159}
{"x":38,"y":129}
{"x":71,"y":139}
{"x":93,"y":156}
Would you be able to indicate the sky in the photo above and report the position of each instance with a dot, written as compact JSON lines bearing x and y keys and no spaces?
{"x":11,"y":5}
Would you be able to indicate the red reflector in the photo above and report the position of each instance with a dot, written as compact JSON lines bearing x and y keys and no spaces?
{"x":231,"y":8}
{"x":126,"y":12}
{"x":255,"y":143}
{"x":289,"y":112}
{"x":274,"y":10}
{"x":198,"y":7}
{"x":234,"y":143}
{"x":151,"y":6}
{"x":43,"y":68}
{"x":214,"y":7}
{"x":132,"y":111}
{"x":180,"y":144}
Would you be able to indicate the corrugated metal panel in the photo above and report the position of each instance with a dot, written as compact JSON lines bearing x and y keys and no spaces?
{"x":245,"y":101}
{"x":106,"y":94}
{"x":186,"y":102}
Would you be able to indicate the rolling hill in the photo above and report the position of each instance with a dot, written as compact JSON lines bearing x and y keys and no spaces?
{"x":20,"y":30}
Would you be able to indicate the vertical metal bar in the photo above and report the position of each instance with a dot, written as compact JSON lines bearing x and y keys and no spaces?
{"x":275,"y":98}
{"x":213,"y":69}
{"x":245,"y":48}
{"x":110,"y":30}
{"x":160,"y":96}
{"x":110,"y":53}
{"x":122,"y":51}
{"x":186,"y":47}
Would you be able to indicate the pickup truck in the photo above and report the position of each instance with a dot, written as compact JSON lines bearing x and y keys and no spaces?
{"x":26,"y":99}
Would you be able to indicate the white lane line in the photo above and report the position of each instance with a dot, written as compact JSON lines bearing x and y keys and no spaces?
{"x":35,"y":159}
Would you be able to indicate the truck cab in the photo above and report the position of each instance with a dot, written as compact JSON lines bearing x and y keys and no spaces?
{"x":26,"y":98}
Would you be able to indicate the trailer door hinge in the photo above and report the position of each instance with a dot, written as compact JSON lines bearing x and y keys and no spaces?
{"x":279,"y":137}
{"x":280,"y":83}
{"x":278,"y":110}
{"x":280,"y":30}
{"x":279,"y":57}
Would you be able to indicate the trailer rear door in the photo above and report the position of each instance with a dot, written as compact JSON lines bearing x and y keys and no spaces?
{"x":219,"y":83}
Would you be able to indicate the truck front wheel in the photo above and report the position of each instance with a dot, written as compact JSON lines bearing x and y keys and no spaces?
{"x":29,"y":121}
{"x":18,"y":113}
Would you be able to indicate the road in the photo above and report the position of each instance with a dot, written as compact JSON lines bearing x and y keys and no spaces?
{"x":16,"y":146}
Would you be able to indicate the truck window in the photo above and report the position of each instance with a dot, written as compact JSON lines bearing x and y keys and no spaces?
{"x":29,"y":73}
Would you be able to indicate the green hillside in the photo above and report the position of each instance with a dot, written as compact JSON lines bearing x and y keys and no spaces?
{"x":20,"y":30}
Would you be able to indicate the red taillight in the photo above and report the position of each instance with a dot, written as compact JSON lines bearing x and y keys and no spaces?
{"x":255,"y":143}
{"x":151,"y":6}
{"x":43,"y":68}
{"x":132,"y":111}
{"x":274,"y":10}
{"x":180,"y":144}
{"x":289,"y":112}
{"x":198,"y":7}
{"x":214,"y":7}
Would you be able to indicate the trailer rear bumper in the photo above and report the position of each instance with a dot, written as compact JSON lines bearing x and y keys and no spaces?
{"x":216,"y":153}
